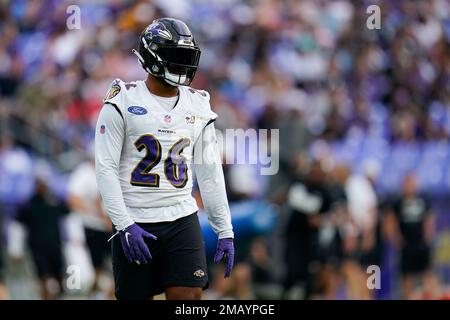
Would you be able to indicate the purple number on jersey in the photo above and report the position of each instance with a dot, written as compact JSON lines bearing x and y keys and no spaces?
{"x":175,"y":167}
{"x":141,"y":175}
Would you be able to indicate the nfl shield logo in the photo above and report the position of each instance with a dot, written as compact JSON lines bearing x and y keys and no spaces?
{"x":167,"y":118}
{"x":102,"y":129}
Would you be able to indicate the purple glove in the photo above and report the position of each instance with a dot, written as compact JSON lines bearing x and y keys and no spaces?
{"x":225,"y":248}
{"x":133,"y":244}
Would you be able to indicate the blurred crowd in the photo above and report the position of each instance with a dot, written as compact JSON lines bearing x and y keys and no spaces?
{"x":364,"y":119}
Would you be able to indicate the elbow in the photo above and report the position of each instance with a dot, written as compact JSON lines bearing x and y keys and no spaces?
{"x":105,"y":169}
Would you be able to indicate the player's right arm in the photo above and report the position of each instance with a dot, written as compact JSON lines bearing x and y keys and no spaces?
{"x":109,"y":138}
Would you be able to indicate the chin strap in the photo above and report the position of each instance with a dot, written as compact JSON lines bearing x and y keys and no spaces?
{"x":141,"y":60}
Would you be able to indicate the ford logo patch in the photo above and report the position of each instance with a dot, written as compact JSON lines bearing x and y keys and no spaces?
{"x":137,"y":110}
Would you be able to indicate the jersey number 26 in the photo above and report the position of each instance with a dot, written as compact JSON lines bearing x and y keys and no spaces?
{"x":175,"y":167}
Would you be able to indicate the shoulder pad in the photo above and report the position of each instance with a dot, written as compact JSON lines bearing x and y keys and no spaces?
{"x":114,"y":94}
{"x":198,"y":94}
{"x":201,"y":101}
{"x":204,"y":94}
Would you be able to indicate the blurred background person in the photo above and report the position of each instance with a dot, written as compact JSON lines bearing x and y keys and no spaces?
{"x":415,"y":229}
{"x":264,"y":282}
{"x":41,"y":216}
{"x":373,"y":256}
{"x":311,"y":250}
{"x":360,"y":230}
{"x":3,"y":290}
{"x":84,"y":198}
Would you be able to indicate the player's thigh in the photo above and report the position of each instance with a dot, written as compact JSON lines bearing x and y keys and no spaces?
{"x":184,"y":293}
{"x":184,"y":262}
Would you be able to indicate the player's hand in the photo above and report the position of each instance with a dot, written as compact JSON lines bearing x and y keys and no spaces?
{"x":225,"y":248}
{"x":133,"y":244}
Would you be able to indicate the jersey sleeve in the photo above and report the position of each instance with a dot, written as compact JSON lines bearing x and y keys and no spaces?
{"x":109,"y":137}
{"x":208,"y":115}
{"x":211,"y":182}
{"x":201,"y":99}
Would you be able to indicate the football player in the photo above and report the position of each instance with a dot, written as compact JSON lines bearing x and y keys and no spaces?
{"x":150,"y":136}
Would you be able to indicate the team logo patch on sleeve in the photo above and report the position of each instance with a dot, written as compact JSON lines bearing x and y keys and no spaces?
{"x":112,"y":92}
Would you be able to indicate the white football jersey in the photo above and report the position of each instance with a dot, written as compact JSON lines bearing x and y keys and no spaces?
{"x":144,"y":151}
{"x":157,"y":152}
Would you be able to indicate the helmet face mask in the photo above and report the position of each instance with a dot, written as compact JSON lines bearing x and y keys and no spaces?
{"x":167,"y":50}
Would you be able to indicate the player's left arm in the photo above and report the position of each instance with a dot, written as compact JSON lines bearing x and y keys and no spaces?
{"x":211,"y":182}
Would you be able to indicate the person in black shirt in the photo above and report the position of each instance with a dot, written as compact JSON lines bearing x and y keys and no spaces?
{"x":41,"y":217}
{"x":415,"y":226}
{"x":310,"y":235}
